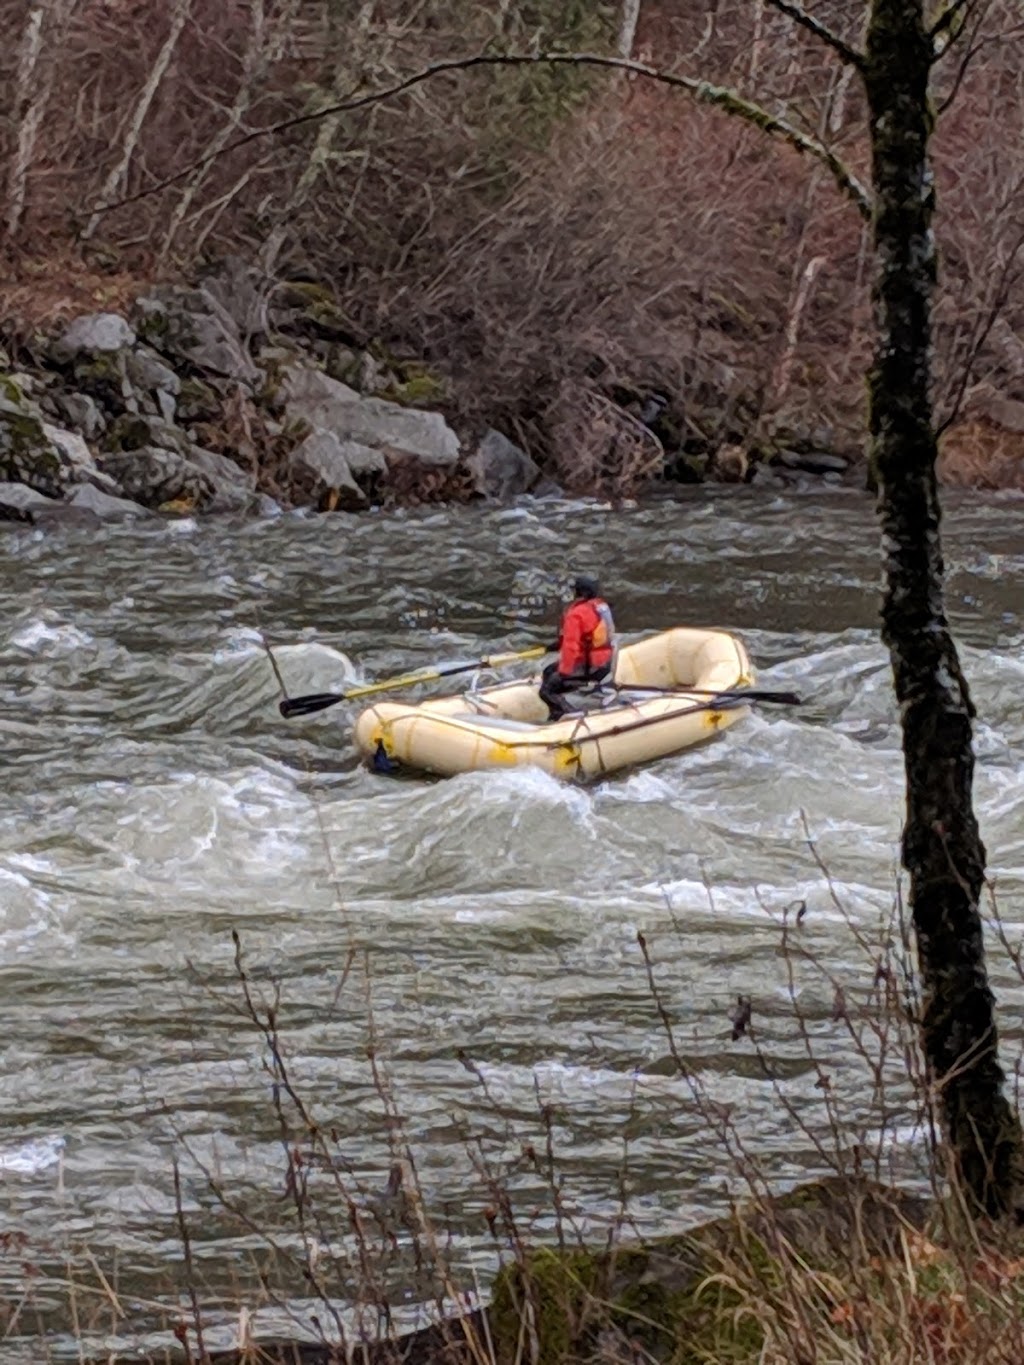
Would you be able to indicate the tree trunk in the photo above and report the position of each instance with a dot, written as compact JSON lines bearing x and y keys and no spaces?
{"x":942,"y":849}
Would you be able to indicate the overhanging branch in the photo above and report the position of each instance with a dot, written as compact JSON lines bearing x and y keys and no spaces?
{"x":799,"y":15}
{"x":703,"y":91}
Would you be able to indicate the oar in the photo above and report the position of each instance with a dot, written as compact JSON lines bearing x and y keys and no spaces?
{"x":734,"y":694}
{"x":319,"y":701}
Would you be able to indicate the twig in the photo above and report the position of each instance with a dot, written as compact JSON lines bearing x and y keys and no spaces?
{"x":799,"y":15}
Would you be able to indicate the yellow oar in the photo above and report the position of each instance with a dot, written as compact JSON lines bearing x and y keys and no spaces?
{"x":319,"y":701}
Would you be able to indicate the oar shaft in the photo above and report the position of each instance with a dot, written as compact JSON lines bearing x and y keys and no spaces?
{"x":744,"y":693}
{"x":320,"y":701}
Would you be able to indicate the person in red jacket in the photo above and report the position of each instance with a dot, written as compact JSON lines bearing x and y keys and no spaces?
{"x":586,"y":646}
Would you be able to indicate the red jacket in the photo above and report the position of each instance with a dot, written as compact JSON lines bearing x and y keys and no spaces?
{"x":586,"y":640}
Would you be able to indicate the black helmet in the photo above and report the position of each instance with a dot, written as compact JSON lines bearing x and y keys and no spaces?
{"x":585,"y":586}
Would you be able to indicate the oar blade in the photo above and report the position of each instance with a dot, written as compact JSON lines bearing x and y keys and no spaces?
{"x":307,"y":705}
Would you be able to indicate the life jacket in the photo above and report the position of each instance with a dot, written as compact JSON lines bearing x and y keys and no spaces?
{"x":587,"y":641}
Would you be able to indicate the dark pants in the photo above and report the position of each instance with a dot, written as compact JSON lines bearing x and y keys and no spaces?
{"x":555,"y":685}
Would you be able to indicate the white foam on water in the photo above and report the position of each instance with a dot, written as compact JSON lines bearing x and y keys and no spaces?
{"x":33,"y":1157}
{"x":29,"y":914}
{"x":42,"y":635}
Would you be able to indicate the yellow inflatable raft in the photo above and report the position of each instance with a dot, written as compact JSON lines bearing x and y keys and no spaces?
{"x":505,"y":725}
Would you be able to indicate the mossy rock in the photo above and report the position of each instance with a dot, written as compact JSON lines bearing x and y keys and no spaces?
{"x":27,"y":455}
{"x":103,"y":378}
{"x":416,"y":390}
{"x":197,"y":401}
{"x":10,"y":390}
{"x":153,"y":326}
{"x":678,"y":1299}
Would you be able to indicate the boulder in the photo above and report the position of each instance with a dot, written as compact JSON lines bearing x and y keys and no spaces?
{"x":324,"y":403}
{"x":28,"y":455}
{"x":104,"y":505}
{"x":134,"y":431}
{"x":500,"y":469}
{"x":321,"y":469}
{"x":154,"y":476}
{"x":405,"y":431}
{"x":311,"y":396}
{"x":224,"y":471}
{"x":81,"y":413}
{"x":73,"y":447}
{"x":233,"y":487}
{"x":104,"y":377}
{"x":148,"y":372}
{"x":193,"y":328}
{"x":18,"y":502}
{"x":812,"y":462}
{"x":94,"y":334}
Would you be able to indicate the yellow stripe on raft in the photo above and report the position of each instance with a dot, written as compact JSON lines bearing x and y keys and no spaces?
{"x":504,"y":726}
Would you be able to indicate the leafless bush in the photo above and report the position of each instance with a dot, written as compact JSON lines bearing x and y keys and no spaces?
{"x":599,"y":446}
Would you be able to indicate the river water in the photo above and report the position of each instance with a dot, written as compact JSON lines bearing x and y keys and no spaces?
{"x":479,"y":935}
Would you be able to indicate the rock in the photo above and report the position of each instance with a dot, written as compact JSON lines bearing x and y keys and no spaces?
{"x":197,"y":402}
{"x":194,"y":328}
{"x":407,"y":431}
{"x":18,"y":502}
{"x":324,"y":403}
{"x":321,"y":469}
{"x":27,"y":455}
{"x":94,"y":334}
{"x":82,"y":413}
{"x":500,"y":469}
{"x":104,"y":505}
{"x":813,"y":462}
{"x":546,"y":487}
{"x":104,"y":377}
{"x":134,"y":431}
{"x":222,"y":469}
{"x":763,"y":477}
{"x":371,"y":375}
{"x":154,"y":476}
{"x":233,"y":486}
{"x":76,"y":453}
{"x":147,"y":371}
{"x":311,"y":396}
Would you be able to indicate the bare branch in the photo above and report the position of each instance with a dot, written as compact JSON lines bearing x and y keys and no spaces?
{"x":146,"y":96}
{"x":950,"y":23}
{"x":799,"y":15}
{"x":704,"y":92}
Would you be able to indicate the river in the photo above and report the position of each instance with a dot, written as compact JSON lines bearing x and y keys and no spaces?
{"x":478,"y":935}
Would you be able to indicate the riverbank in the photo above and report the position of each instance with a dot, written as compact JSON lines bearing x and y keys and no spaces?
{"x":843,"y":1269}
{"x":247,"y":395}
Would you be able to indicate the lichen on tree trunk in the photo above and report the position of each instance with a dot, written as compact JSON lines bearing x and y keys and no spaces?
{"x":942,"y":849}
